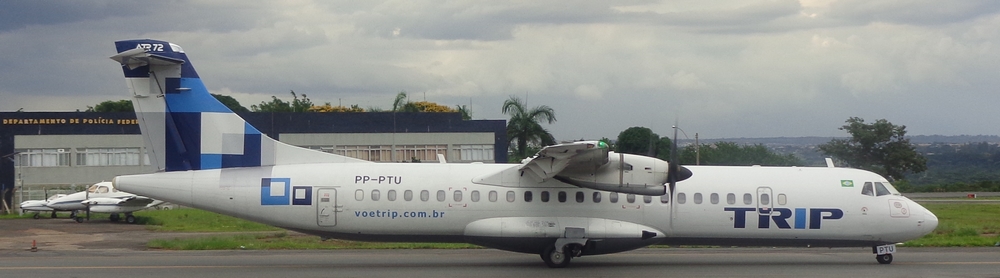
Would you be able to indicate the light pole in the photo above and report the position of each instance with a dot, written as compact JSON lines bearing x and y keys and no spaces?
{"x":17,"y":169}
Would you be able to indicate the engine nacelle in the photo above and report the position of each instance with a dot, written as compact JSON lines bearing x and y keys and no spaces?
{"x":625,"y":173}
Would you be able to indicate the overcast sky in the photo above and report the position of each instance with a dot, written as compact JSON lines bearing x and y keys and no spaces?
{"x":720,"y":68}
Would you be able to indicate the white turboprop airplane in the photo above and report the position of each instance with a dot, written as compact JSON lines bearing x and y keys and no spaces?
{"x":570,"y":200}
{"x":39,"y":206}
{"x":103,"y":197}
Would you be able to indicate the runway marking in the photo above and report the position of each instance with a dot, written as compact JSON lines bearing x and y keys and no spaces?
{"x":140,"y":267}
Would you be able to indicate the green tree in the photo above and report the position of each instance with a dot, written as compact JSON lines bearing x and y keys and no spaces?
{"x":733,"y":154}
{"x":524,"y":126}
{"x":638,"y":140}
{"x":880,"y":147}
{"x":231,"y":103}
{"x":112,"y":106}
{"x":466,"y":113}
{"x":278,"y":105}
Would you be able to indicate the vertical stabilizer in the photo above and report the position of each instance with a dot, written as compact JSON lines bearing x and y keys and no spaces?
{"x":185,"y":127}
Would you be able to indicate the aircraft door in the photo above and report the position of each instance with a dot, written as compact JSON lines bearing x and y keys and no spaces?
{"x":326,"y":210}
{"x":765,"y":200}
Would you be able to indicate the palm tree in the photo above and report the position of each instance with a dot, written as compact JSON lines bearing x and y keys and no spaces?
{"x":524,"y":125}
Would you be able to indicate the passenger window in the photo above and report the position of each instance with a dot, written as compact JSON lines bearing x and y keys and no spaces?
{"x":544,"y":196}
{"x":731,"y":199}
{"x":458,"y":196}
{"x":628,"y":167}
{"x":408,"y":195}
{"x":867,"y":190}
{"x":375,"y":195}
{"x":647,"y":199}
{"x":597,"y":197}
{"x":474,"y":196}
{"x":441,"y":195}
{"x":881,"y":190}
{"x":782,"y":199}
{"x":102,"y":189}
{"x":714,"y":198}
{"x":391,"y":195}
{"x":665,"y":198}
{"x":765,"y":199}
{"x":493,"y":196}
{"x":425,"y":195}
{"x":359,"y":195}
{"x":510,"y":196}
{"x":747,"y":199}
{"x":681,"y":198}
{"x":613,"y":197}
{"x":697,"y":198}
{"x":527,"y":196}
{"x":630,"y":198}
{"x":580,"y":197}
{"x":562,"y":196}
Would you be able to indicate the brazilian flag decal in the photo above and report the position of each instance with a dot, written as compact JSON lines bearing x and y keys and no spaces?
{"x":846,"y":183}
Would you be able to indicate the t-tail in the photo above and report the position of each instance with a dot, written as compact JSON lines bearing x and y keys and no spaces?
{"x":185,"y":127}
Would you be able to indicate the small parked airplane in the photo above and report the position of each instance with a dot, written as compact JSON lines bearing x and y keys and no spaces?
{"x":103,"y":197}
{"x":569,"y":200}
{"x":39,"y":206}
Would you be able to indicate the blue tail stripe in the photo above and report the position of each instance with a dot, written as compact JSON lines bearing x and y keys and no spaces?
{"x":194,"y":99}
{"x":184,"y":142}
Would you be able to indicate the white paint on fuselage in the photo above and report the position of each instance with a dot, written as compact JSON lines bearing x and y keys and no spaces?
{"x":236,"y":191}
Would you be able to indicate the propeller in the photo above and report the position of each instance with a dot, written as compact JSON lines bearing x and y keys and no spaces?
{"x":675,"y":173}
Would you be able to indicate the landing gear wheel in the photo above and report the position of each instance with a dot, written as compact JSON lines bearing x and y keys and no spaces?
{"x":130,"y":219}
{"x":79,"y":220}
{"x":555,"y":259}
{"x":115,"y":217}
{"x":36,"y":216}
{"x":53,"y":214}
{"x":884,"y":259}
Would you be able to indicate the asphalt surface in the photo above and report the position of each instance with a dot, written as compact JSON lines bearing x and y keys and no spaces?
{"x":105,"y":249}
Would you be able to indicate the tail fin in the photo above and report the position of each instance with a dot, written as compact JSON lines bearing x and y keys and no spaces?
{"x":186,"y":128}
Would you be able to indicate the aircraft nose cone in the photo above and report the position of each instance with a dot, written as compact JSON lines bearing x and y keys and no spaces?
{"x":930,"y":221}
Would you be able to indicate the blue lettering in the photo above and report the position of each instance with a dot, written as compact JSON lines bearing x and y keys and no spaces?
{"x":780,"y":217}
{"x":817,"y":213}
{"x":740,"y":216}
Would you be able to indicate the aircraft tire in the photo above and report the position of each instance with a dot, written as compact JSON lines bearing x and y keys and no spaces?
{"x":884,"y":259}
{"x":130,"y":219}
{"x":554,"y":259}
{"x":79,"y":220}
{"x":115,"y":217}
{"x":36,"y":216}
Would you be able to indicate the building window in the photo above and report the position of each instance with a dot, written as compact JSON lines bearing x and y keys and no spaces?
{"x":43,"y":157}
{"x":474,"y":152}
{"x":108,"y":157}
{"x":420,"y":153}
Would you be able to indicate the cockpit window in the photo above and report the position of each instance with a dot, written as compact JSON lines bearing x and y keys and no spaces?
{"x":881,"y":190}
{"x":867,"y":190}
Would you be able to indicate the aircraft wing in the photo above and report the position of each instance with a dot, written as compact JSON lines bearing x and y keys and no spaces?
{"x":555,"y":159}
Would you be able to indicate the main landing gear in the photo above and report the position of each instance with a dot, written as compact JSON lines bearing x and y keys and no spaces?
{"x":565,"y":248}
{"x":884,"y":259}
{"x":129,"y":218}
